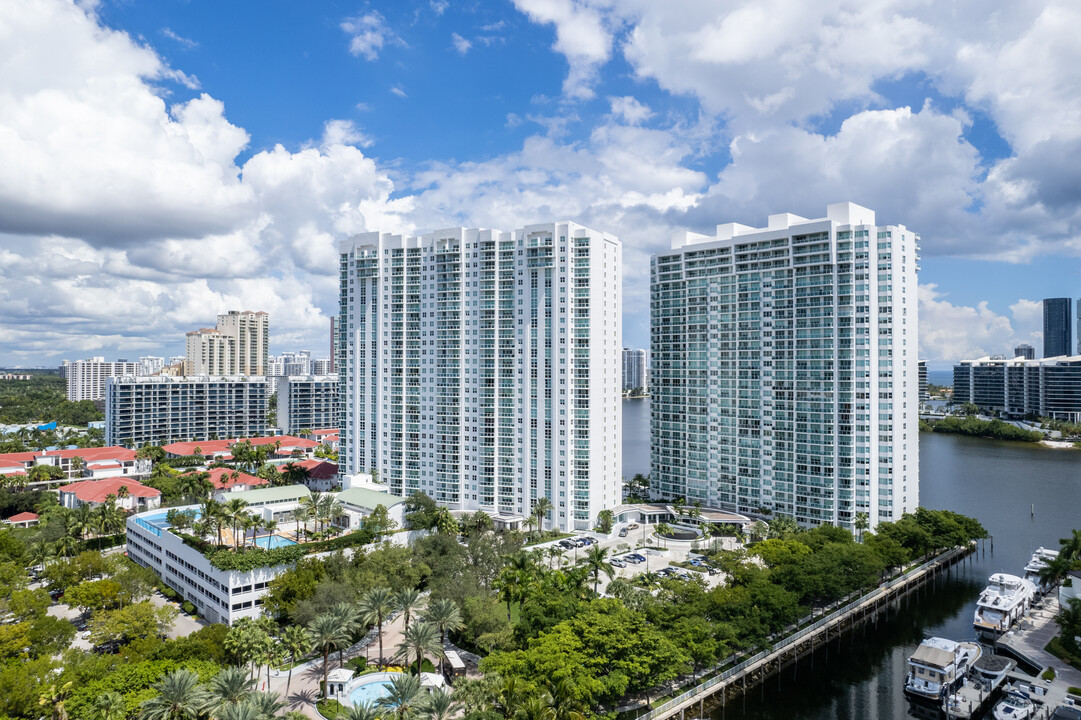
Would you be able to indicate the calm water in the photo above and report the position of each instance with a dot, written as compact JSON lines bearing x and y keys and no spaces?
{"x":998,"y":483}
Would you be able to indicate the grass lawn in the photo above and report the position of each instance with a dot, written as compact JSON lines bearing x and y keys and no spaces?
{"x":1056,"y":648}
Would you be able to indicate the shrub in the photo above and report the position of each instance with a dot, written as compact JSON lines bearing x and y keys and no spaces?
{"x":169,"y":593}
{"x":188,"y":608}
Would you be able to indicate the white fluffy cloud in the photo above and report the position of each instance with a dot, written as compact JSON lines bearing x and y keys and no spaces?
{"x":583,"y":36}
{"x":125,"y":221}
{"x":368,"y":34}
{"x":949,"y":332}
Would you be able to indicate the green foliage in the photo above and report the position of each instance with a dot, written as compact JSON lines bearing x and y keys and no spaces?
{"x":43,"y":399}
{"x":994,"y":429}
{"x":251,"y":557}
{"x":421,"y":511}
{"x":133,"y":681}
{"x":131,"y":622}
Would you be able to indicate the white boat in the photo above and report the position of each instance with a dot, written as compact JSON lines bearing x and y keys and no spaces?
{"x":1041,"y":559}
{"x":937,"y":667}
{"x":1014,"y":706}
{"x":1003,"y":602}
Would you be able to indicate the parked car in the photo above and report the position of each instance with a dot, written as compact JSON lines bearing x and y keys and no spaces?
{"x":634,"y":559}
{"x":632,"y":526}
{"x":714,"y":571}
{"x":567,"y":544}
{"x":616,"y":562}
{"x":623,"y":532}
{"x":580,"y":542}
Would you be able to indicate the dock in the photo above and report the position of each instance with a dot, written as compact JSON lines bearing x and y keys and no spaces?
{"x":787,"y":651}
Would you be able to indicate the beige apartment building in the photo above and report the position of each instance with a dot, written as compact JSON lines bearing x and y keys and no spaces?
{"x":239,"y":345}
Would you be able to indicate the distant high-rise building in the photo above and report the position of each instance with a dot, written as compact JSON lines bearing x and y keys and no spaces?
{"x":86,"y":378}
{"x":64,"y":365}
{"x":634,"y":369}
{"x":1046,"y":387}
{"x":924,"y":395}
{"x":1057,"y":327}
{"x":308,"y":402}
{"x":239,"y":345}
{"x":782,"y":373}
{"x":165,"y":409}
{"x":482,"y":367}
{"x":1026,"y":351}
{"x":321,"y":366}
{"x":151,"y":365}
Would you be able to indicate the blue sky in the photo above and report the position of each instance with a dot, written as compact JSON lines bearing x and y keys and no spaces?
{"x":161,"y":162}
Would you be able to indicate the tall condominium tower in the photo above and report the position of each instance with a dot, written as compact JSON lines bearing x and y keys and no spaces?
{"x":1026,"y":351}
{"x":86,"y":378}
{"x":1057,"y":327}
{"x":634,"y":369}
{"x":482,"y":367}
{"x":784,"y":368}
{"x":239,"y":345}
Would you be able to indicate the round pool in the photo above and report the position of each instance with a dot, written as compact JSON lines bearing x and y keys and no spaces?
{"x":366,"y":689}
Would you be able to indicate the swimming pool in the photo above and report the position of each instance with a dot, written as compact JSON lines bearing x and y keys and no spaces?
{"x":370,"y":688}
{"x":273,"y":541}
{"x":160,"y":521}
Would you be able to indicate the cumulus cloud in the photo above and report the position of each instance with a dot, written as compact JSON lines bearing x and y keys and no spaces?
{"x":583,"y":36}
{"x":460,"y":43}
{"x":368,"y":34}
{"x":949,"y":332}
{"x":123,"y":230}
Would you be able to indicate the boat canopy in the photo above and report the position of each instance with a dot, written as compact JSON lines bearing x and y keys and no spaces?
{"x":932,"y":656}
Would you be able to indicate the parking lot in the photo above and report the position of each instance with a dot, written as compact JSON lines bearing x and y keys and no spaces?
{"x":629,"y":557}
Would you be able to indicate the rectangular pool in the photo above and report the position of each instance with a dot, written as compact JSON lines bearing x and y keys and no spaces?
{"x":273,"y":541}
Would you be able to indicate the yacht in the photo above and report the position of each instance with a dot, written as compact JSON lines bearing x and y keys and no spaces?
{"x":937,"y":667}
{"x":1003,"y":602}
{"x":1015,"y":706}
{"x":1041,"y":559}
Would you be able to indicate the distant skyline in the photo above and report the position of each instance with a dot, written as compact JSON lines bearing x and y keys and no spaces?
{"x":164,"y":162}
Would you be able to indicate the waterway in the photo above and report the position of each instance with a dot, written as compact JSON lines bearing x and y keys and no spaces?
{"x":1024,"y":494}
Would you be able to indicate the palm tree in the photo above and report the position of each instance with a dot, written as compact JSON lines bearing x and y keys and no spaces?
{"x":295,"y":640}
{"x":530,"y":523}
{"x":179,"y":697}
{"x":419,"y":639}
{"x":310,"y":504}
{"x":376,"y":604}
{"x":300,"y":514}
{"x":57,"y":698}
{"x":194,"y":485}
{"x":597,"y":562}
{"x":402,"y":693}
{"x":439,"y":705}
{"x":81,"y":521}
{"x":229,"y":687}
{"x":356,"y":712}
{"x":566,"y":706}
{"x":350,"y":618}
{"x":327,"y":633}
{"x":555,"y":551}
{"x":234,"y":511}
{"x":295,"y":474}
{"x":109,"y":706}
{"x":212,"y":513}
{"x":538,"y":707}
{"x":861,"y":523}
{"x":446,"y":616}
{"x":511,"y":694}
{"x":406,"y":601}
{"x":541,"y":507}
{"x":241,"y":711}
{"x":266,"y":704}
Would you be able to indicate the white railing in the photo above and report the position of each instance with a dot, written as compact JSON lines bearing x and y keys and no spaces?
{"x":794,"y":639}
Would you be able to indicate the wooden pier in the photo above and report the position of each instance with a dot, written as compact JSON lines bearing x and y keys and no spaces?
{"x":784,"y":653}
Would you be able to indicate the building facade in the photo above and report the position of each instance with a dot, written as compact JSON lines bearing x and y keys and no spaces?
{"x":922,"y":369}
{"x":239,"y":345}
{"x":482,"y":367}
{"x":1057,"y":327}
{"x":166,"y":409}
{"x":784,"y":368}
{"x":1025,"y":351}
{"x":1018,"y":388}
{"x":86,"y":378}
{"x":308,"y":401}
{"x":634,"y":370}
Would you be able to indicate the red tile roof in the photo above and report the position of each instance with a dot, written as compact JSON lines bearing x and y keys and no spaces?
{"x":212,"y":447}
{"x":88,"y":455}
{"x":222,"y":478}
{"x":22,"y":517}
{"x":97,"y":490}
{"x":317,"y":469}
{"x":325,"y":431}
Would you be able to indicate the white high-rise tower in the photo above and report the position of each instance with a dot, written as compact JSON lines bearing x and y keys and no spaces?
{"x":784,"y":368}
{"x":482,"y":367}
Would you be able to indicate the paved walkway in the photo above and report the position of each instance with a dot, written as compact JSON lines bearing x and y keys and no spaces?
{"x":1032,"y":635}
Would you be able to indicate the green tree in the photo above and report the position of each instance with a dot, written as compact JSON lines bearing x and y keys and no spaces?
{"x":231,"y":686}
{"x":327,"y":634}
{"x":445,"y":615}
{"x":418,"y":640}
{"x":597,"y":562}
{"x":376,"y":604}
{"x":296,"y":641}
{"x":403,"y":691}
{"x":541,"y":507}
{"x":109,"y":706}
{"x":407,"y":601}
{"x":861,"y":523}
{"x":604,"y":520}
{"x":178,"y":697}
